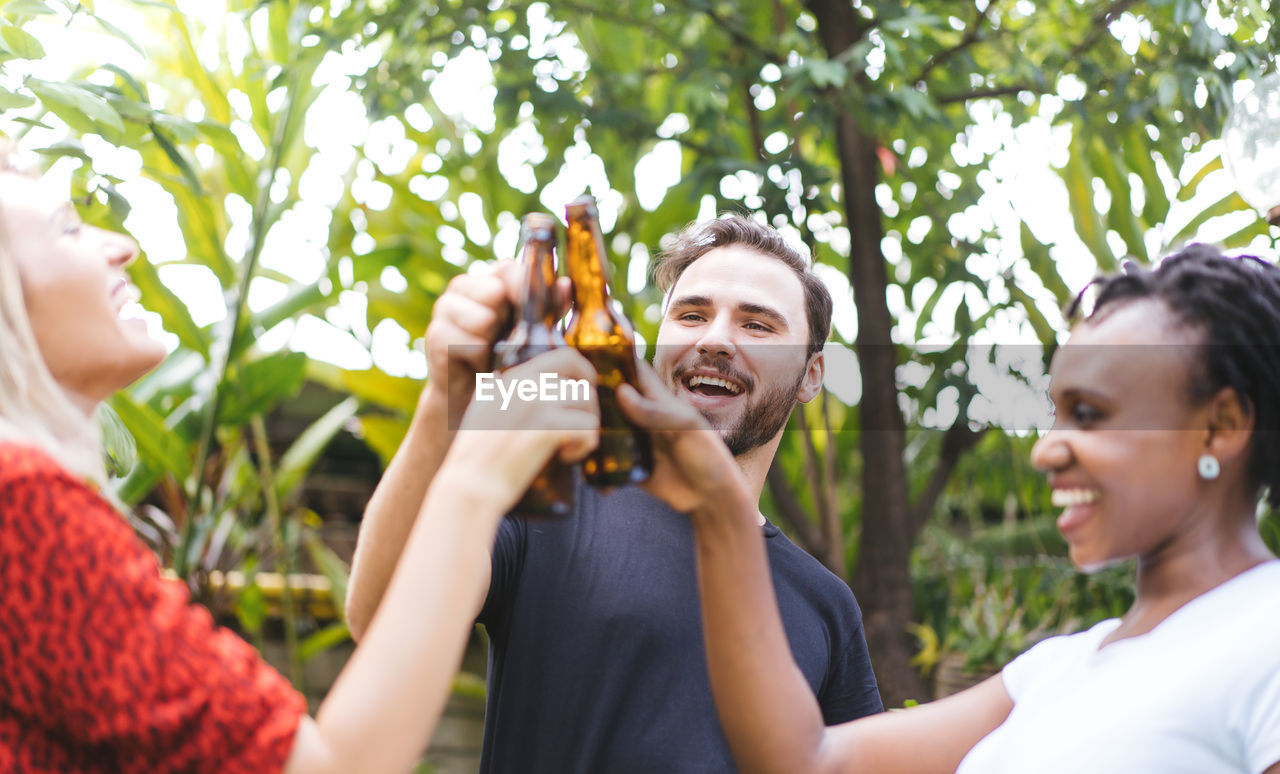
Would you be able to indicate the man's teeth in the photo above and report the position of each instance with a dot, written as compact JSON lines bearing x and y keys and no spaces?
{"x":714,"y":381}
{"x":1065,"y":498}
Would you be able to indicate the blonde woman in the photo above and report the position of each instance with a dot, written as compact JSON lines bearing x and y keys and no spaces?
{"x":105,"y":666}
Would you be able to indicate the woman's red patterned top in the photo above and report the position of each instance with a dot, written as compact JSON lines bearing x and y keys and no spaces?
{"x":105,"y":666}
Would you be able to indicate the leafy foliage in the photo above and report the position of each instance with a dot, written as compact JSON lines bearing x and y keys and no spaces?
{"x":884,"y":136}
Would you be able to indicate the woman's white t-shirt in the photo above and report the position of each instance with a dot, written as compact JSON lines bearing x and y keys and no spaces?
{"x":1199,"y":694}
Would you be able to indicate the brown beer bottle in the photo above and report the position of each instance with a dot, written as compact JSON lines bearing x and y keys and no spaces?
{"x":536,"y":331}
{"x":625,"y":454}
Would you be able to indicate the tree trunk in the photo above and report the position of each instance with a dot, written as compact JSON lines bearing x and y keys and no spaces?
{"x":881,"y":579}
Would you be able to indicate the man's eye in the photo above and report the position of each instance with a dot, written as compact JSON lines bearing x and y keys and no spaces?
{"x":755,"y":326}
{"x":690,"y":317}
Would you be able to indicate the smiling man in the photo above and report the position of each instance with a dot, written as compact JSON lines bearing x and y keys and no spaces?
{"x":596,"y":659}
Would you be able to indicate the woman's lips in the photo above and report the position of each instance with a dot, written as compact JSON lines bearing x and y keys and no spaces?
{"x":1079,"y":503}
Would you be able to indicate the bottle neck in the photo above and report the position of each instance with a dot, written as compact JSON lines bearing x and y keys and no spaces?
{"x":538,"y":306}
{"x":586,"y":266}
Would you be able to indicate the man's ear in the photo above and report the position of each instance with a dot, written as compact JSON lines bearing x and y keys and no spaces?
{"x":811,"y":384}
{"x":1230,"y":426}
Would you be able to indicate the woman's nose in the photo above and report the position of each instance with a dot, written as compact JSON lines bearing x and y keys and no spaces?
{"x":1051,"y":452}
{"x":121,"y":249}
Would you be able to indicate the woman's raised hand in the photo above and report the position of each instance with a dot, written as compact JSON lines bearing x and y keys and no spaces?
{"x":506,"y":436}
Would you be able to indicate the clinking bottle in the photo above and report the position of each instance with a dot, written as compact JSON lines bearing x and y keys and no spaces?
{"x":536,"y":331}
{"x":625,"y":453}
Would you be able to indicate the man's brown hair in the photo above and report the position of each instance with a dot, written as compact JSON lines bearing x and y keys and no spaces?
{"x":697,"y":240}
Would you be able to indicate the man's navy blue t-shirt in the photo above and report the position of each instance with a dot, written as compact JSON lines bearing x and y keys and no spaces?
{"x":596,"y":659}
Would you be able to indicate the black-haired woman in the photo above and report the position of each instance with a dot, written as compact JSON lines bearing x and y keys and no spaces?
{"x":1165,"y":439}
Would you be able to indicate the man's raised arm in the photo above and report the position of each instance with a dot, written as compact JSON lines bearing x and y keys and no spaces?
{"x":465,"y":323}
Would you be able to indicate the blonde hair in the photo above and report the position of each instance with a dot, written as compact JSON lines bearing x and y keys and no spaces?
{"x":34,"y":408}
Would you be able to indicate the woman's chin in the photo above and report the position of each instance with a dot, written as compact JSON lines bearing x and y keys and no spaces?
{"x":1091,"y":563}
{"x":142,"y":360}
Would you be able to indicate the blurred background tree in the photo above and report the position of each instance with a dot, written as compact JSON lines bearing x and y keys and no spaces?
{"x":958,"y":169}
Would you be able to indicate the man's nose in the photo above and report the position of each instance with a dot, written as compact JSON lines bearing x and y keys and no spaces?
{"x":717,"y":339}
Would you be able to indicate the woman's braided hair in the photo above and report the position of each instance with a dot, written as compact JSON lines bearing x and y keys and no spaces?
{"x":1235,"y":303}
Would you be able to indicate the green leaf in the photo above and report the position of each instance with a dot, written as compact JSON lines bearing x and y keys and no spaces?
{"x":139,"y":483}
{"x":66,"y":148}
{"x":156,"y":4}
{"x":32,"y":122}
{"x":184,"y":167}
{"x":80,"y":108}
{"x":120,"y":34}
{"x":1079,"y":181}
{"x":128,"y":79}
{"x":393,"y":392}
{"x":120,"y":207}
{"x":328,"y":637}
{"x":156,"y":441}
{"x":157,"y":297}
{"x":1189,"y":190}
{"x":330,"y":566}
{"x":258,"y":386}
{"x":1042,"y":263}
{"x":11,"y":100}
{"x":384,"y":434}
{"x":251,"y":608}
{"x":1106,"y":164}
{"x":1044,"y":331}
{"x":926,"y":312}
{"x":121,"y":450}
{"x":1225,"y":206}
{"x":1138,"y":157}
{"x":1246,"y":235}
{"x":298,"y":459}
{"x":824,"y":73}
{"x":300,"y":299}
{"x":21,"y":43}
{"x":26,"y":8}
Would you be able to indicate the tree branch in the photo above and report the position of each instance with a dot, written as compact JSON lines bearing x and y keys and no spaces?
{"x":959,"y":438}
{"x":830,"y":515}
{"x":995,"y":91}
{"x":1097,"y":27}
{"x":792,"y":512}
{"x":1101,"y":21}
{"x":753,"y":121}
{"x":970,"y":37}
{"x":812,"y":471}
{"x":735,"y":32}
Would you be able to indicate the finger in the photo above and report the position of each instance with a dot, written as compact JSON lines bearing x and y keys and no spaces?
{"x":466,"y":313}
{"x":564,"y":362}
{"x":564,"y":295}
{"x":488,"y":288}
{"x":462,"y":349}
{"x":651,"y":384}
{"x":577,"y":443}
{"x":510,"y":277}
{"x":646,"y":412}
{"x":498,"y":290}
{"x":449,"y":346}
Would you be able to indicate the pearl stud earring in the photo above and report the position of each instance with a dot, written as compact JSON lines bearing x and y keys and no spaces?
{"x":1208,"y":466}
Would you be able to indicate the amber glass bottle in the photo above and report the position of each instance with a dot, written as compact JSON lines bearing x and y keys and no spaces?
{"x":625,"y":455}
{"x":535,"y":331}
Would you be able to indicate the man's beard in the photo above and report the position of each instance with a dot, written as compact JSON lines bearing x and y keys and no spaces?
{"x":761,"y":420}
{"x":764,"y":415}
